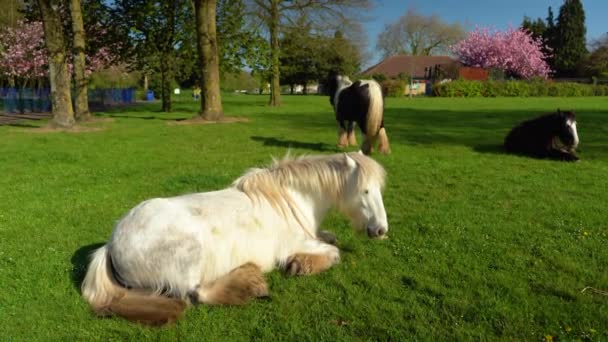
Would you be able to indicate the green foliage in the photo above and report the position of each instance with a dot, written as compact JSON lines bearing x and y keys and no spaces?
{"x":537,"y":27}
{"x":239,"y":81}
{"x":11,"y":13}
{"x":597,"y":63}
{"x":533,"y":88}
{"x":458,"y":88}
{"x":569,"y":43}
{"x":379,"y":77}
{"x":404,"y":77}
{"x":114,"y":77}
{"x":394,"y":88}
{"x":239,"y":44}
{"x":307,"y":57}
{"x":299,"y":55}
{"x":161,"y":39}
{"x":339,"y":54}
{"x":482,"y":245}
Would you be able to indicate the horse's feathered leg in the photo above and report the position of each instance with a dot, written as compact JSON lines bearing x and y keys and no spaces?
{"x":560,"y":154}
{"x":342,"y":136}
{"x":235,"y":288}
{"x":366,"y":147}
{"x":314,"y":257}
{"x":352,"y":138}
{"x":383,"y":145}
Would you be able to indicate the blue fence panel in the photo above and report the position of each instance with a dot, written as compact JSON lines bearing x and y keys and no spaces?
{"x":11,"y":100}
{"x":26,"y":100}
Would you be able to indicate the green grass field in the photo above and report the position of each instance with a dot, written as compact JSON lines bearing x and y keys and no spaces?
{"x":482,"y":245}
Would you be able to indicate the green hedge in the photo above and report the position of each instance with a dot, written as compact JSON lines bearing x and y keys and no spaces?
{"x":462,"y":88}
{"x":393,"y":88}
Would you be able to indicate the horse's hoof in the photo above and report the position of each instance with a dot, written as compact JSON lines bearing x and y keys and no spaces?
{"x":327,"y":237}
{"x":293,"y":267}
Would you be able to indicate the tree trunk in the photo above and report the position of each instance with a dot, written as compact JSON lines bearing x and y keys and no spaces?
{"x":81,"y":104}
{"x":145,"y":86}
{"x":63,"y":114}
{"x":275,"y":87}
{"x":165,"y":85}
{"x":211,"y":99}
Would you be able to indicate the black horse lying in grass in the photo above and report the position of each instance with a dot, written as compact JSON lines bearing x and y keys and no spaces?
{"x":537,"y":137}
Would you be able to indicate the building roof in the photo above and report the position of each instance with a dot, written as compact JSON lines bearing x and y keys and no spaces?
{"x":394,"y":65}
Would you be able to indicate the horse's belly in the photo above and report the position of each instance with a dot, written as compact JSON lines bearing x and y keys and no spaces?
{"x":177,"y":243}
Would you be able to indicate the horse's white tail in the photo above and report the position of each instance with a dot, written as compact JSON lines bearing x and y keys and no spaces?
{"x":107,"y":297}
{"x":375,"y":110}
{"x":375,"y":114}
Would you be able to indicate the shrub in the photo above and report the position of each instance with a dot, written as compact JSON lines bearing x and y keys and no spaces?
{"x":459,"y":88}
{"x":393,"y":88}
{"x":379,"y":77}
{"x":516,"y":89}
{"x":116,"y":76}
{"x":600,"y":90}
{"x":491,"y":89}
{"x":535,"y":87}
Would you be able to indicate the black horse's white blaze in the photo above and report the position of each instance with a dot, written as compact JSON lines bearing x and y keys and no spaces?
{"x":539,"y":137}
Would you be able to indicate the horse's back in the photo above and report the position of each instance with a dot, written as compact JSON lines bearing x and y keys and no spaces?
{"x":530,"y":137}
{"x":353,"y":103}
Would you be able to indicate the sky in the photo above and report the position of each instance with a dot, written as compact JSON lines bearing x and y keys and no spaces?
{"x":470,"y":13}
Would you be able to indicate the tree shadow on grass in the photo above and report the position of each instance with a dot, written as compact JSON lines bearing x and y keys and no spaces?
{"x":272,"y":141}
{"x":133,"y":117}
{"x":23,"y":125}
{"x":80,"y":261}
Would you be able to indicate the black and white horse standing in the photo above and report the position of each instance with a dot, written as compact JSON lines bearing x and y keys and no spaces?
{"x":361,"y":103}
{"x":538,"y":137}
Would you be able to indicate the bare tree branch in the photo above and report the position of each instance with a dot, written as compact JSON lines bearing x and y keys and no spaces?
{"x":417,"y":34}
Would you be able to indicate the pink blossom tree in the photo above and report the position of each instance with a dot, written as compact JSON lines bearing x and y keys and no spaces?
{"x":100,"y":60}
{"x":23,"y":56}
{"x":514,"y":51}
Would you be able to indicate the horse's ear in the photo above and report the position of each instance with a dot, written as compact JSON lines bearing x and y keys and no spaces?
{"x":350,"y":162}
{"x":360,"y":152}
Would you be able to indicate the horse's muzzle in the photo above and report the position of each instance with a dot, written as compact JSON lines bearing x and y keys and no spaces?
{"x":377,"y":232}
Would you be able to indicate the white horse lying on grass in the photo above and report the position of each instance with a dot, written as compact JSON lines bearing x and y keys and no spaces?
{"x":214,"y":247}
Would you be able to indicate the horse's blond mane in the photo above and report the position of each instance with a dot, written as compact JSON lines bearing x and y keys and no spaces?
{"x":307,"y":173}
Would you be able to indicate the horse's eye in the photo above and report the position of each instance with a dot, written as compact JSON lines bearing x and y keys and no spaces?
{"x":366,"y":191}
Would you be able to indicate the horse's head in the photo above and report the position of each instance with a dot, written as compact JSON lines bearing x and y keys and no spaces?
{"x":567,"y":131}
{"x":334,"y":83}
{"x":343,"y":81}
{"x":363,"y":202}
